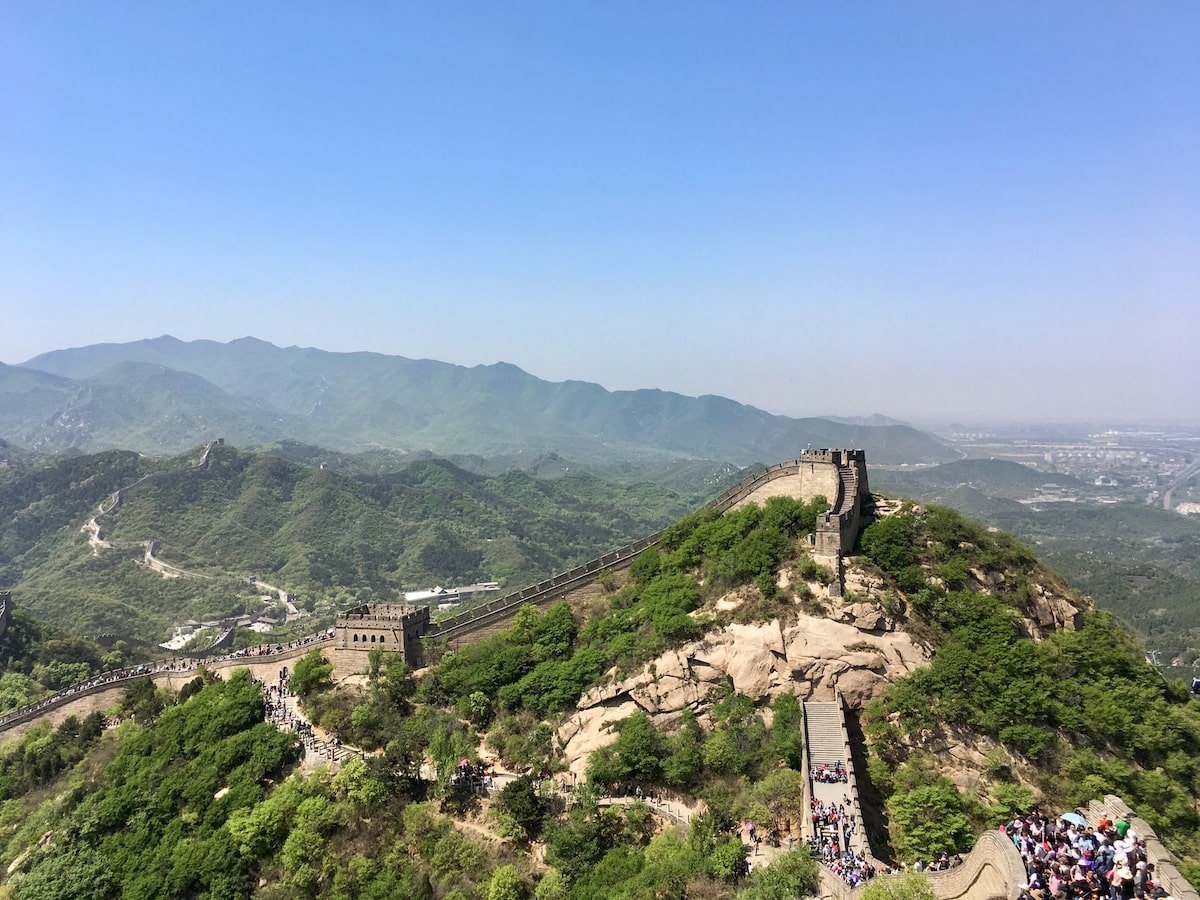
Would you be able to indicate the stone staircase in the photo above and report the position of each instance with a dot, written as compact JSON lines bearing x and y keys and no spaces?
{"x":823,"y":733}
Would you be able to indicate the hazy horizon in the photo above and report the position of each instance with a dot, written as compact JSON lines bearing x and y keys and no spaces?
{"x":937,"y":213}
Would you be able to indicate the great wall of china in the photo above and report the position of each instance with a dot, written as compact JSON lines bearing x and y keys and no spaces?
{"x":992,"y":871}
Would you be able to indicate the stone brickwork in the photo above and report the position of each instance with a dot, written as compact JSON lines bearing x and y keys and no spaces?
{"x":840,"y":476}
{"x":391,"y":627}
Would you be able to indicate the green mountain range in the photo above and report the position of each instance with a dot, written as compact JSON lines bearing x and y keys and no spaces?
{"x":165,"y":395}
{"x":195,"y":795}
{"x":332,"y":538}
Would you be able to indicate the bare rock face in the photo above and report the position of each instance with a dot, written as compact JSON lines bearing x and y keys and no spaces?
{"x":1050,"y":611}
{"x":814,"y":657}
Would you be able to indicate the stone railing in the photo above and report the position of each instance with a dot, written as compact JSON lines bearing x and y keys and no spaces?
{"x":161,"y":668}
{"x":852,"y":779}
{"x":993,"y":868}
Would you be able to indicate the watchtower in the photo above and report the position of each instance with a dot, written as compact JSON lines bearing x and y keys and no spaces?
{"x":390,"y":627}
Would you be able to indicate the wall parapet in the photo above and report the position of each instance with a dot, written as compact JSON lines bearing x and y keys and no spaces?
{"x":993,"y":870}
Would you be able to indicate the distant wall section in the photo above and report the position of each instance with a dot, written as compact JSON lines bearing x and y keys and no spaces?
{"x":840,"y":476}
{"x":5,"y":611}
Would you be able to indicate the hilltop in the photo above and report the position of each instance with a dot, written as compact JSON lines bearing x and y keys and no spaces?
{"x":1139,"y":561}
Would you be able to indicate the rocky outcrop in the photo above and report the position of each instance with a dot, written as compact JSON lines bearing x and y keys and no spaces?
{"x":1048,"y":611}
{"x":814,"y":657}
{"x":850,"y":644}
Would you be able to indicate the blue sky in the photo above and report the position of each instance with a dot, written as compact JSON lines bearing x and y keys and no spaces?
{"x":1001,"y":200}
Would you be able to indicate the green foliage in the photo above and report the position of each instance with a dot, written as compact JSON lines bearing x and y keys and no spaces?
{"x":1091,"y":685}
{"x":787,"y":730}
{"x":311,"y":673}
{"x":37,"y":659}
{"x":889,"y":542}
{"x":909,"y":886}
{"x":520,"y":801}
{"x":928,"y":818}
{"x":78,"y":874}
{"x":725,"y":861}
{"x":157,"y":815}
{"x":506,"y":884}
{"x":42,"y":755}
{"x":636,"y":754}
{"x":781,"y":794}
{"x":789,"y":876}
{"x":576,"y":846}
{"x":325,"y":536}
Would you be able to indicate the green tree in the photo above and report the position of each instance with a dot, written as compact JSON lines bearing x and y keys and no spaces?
{"x":909,"y":886}
{"x":553,"y":886}
{"x":889,"y":542}
{"x":637,"y":753}
{"x":787,"y":730}
{"x":311,"y":674}
{"x":929,"y":819}
{"x":506,"y":884}
{"x":520,"y":800}
{"x":791,"y":875}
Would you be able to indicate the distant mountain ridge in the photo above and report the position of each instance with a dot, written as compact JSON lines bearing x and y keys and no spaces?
{"x":164,"y":395}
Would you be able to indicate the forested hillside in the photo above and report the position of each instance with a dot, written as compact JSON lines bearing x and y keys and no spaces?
{"x":200,"y":803}
{"x":1140,"y":562}
{"x":333,"y":539}
{"x":1070,"y":717}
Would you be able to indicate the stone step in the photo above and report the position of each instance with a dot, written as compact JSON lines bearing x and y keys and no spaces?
{"x":823,"y":733}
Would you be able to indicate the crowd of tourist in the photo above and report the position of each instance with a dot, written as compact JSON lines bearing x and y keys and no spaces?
{"x":475,"y":777}
{"x":825,"y":774}
{"x":834,"y":826}
{"x":279,"y":713}
{"x":1069,"y":860}
{"x":830,"y":820}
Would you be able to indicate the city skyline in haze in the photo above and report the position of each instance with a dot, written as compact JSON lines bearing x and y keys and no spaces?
{"x":940,"y":211}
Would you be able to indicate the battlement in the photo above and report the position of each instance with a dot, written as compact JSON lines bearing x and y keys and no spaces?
{"x":836,"y":457}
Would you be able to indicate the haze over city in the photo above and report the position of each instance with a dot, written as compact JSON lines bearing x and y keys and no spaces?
{"x":927,"y":210}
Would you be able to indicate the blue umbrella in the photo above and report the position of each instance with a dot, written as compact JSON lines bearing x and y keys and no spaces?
{"x":1075,"y":818}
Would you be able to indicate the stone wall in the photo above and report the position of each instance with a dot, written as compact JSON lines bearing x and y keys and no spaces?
{"x":992,"y":871}
{"x":5,"y":611}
